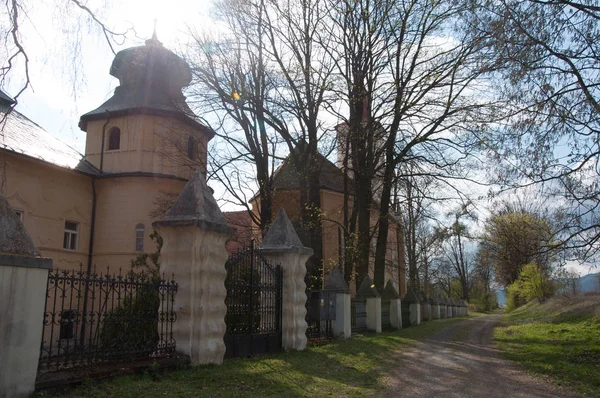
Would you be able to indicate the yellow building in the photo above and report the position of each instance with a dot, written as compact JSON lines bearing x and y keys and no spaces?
{"x":141,"y":144}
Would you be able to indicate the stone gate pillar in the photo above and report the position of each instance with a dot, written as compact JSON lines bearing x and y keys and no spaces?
{"x":390,"y":293}
{"x":281,"y":245}
{"x":342,"y":326}
{"x":194,"y":233}
{"x":414,"y":307}
{"x":23,"y":278}
{"x":435,"y":306}
{"x":373,"y":304}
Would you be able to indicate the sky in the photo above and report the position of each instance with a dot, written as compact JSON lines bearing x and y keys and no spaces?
{"x":70,"y":60}
{"x":65,"y":86}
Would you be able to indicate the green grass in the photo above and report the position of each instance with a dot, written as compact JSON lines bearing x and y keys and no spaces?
{"x":354,"y":367}
{"x":560,"y":338}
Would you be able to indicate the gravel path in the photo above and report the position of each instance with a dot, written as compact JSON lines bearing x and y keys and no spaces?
{"x":461,"y":361}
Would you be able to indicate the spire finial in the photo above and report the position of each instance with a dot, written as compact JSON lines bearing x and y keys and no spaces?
{"x":154,"y":40}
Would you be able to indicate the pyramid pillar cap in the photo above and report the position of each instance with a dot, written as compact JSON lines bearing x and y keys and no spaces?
{"x":367,"y":289}
{"x":196,"y":206}
{"x":16,"y":246}
{"x":336,"y":282}
{"x":282,"y":237}
{"x":389,"y":291}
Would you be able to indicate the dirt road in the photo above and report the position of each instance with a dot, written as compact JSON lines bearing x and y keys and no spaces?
{"x":461,"y":361}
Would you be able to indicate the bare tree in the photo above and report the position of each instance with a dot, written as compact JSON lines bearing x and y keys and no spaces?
{"x":546,"y":65}
{"x":72,"y":15}
{"x":270,"y":79}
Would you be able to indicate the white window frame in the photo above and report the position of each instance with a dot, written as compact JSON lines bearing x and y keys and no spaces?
{"x":19,"y":214}
{"x":140,"y":231}
{"x":71,"y":236}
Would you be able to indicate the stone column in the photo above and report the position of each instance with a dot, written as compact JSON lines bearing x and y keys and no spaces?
{"x":425,"y":306}
{"x":373,"y":304}
{"x":448,"y":308}
{"x":194,"y":233}
{"x":342,"y":325}
{"x":23,"y":279}
{"x":281,"y":245}
{"x":435,"y":307}
{"x":414,"y":306}
{"x":454,"y":308}
{"x":390,"y":293}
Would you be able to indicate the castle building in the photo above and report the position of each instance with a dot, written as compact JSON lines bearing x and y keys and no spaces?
{"x":96,"y":209}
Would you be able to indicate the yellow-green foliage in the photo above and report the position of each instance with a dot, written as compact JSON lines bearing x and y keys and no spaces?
{"x":518,"y":238}
{"x":533,"y":283}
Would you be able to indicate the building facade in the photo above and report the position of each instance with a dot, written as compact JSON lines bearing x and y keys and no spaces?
{"x":96,"y":209}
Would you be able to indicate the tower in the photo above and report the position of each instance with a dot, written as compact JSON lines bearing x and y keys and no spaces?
{"x":146,"y":142}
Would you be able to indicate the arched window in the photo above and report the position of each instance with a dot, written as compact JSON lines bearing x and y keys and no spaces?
{"x":114,"y":139}
{"x":139,"y":237}
{"x":192,"y":148}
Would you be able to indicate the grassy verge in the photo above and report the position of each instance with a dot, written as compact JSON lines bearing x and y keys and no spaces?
{"x":560,"y":338}
{"x":354,"y":367}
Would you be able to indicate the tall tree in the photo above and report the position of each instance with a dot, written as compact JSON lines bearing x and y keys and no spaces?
{"x":516,"y":238}
{"x":546,"y":64}
{"x":232,"y":80}
{"x":271,"y":75}
{"x":411,"y":96}
{"x":458,"y":255}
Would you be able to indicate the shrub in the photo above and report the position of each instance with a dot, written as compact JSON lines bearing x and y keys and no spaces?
{"x":132,"y":328}
{"x":532,"y":283}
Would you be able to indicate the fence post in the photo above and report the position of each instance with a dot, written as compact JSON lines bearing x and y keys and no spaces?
{"x":194,"y":233}
{"x":414,"y":307}
{"x":425,"y":306}
{"x":435,"y":306}
{"x":281,"y":245}
{"x":342,"y":326}
{"x":390,"y":293}
{"x":367,"y":289}
{"x":23,"y":278}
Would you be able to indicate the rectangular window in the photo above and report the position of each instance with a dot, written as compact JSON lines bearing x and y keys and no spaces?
{"x":67,"y":324}
{"x":19,"y":214}
{"x":139,"y":238}
{"x":70,"y":239}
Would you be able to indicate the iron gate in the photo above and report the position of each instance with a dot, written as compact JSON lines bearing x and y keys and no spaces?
{"x":253,"y":302}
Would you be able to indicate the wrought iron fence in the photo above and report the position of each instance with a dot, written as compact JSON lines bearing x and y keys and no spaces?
{"x":254,"y":300}
{"x":319,"y":326}
{"x":385,"y":314}
{"x":358,"y":315}
{"x":91,"y":318}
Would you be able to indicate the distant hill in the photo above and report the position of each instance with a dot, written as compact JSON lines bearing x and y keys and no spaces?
{"x":589,"y":283}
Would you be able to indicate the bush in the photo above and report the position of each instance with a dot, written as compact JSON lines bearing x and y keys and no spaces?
{"x":532,"y":283}
{"x":132,"y":328}
{"x":484,"y":302}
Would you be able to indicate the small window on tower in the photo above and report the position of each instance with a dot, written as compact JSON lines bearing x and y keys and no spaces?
{"x":139,"y":237}
{"x":192,"y":148}
{"x":114,"y":139}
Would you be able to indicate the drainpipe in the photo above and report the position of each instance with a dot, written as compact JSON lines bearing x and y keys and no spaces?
{"x":91,"y":243}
